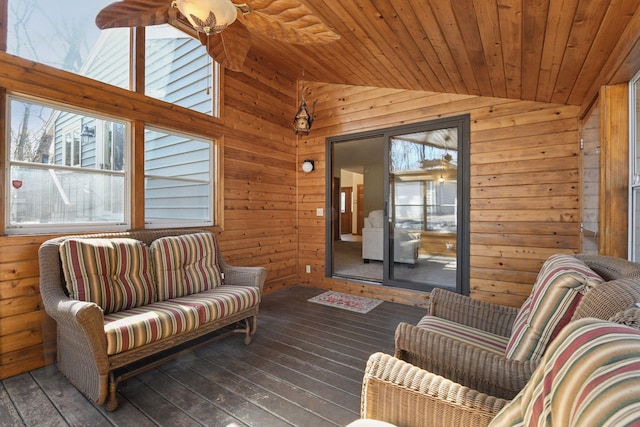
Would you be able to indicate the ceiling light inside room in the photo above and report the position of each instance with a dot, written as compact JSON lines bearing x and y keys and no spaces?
{"x":208,"y":16}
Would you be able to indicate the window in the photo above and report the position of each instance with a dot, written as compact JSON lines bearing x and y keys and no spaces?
{"x":178,"y":69}
{"x":179,"y":173}
{"x":426,"y":205}
{"x":69,"y":169}
{"x":72,"y":147}
{"x":425,"y":180}
{"x":63,"y":34}
{"x":57,"y":180}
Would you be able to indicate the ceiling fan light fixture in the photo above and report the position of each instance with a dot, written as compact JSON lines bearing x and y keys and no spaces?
{"x":208,"y":16}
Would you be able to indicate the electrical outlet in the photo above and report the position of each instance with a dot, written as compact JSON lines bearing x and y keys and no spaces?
{"x":308,"y":268}
{"x":319,"y":212}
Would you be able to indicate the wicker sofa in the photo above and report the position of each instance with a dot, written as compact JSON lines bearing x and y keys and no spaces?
{"x":487,"y":370}
{"x":590,"y":376}
{"x":125,"y":302}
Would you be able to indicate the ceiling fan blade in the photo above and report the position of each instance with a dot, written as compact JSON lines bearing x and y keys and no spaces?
{"x":229,"y":47}
{"x":288,"y":21}
{"x":136,"y":13}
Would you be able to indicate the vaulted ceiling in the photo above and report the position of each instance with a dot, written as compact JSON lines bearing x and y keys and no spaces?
{"x":557,"y":51}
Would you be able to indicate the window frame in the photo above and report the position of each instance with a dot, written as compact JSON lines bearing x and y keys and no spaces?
{"x":75,"y":97}
{"x":72,"y":147}
{"x":67,"y":227}
{"x":214,"y":178}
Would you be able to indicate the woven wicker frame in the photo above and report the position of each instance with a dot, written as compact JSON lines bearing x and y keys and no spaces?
{"x":400,"y":393}
{"x":493,"y":374}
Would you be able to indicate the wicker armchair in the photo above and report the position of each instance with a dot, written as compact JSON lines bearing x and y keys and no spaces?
{"x":486,"y":371}
{"x":397,"y":392}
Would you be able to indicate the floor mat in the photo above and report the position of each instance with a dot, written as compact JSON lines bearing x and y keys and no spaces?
{"x":346,"y":301}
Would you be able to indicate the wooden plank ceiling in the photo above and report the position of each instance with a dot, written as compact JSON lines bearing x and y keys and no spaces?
{"x":556,"y":51}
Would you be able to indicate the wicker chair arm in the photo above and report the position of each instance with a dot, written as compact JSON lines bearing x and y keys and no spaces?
{"x":82,"y":352}
{"x":608,"y":298}
{"x":463,"y":363}
{"x":400,"y":393}
{"x":84,"y":321}
{"x":244,"y":276}
{"x":494,"y":318}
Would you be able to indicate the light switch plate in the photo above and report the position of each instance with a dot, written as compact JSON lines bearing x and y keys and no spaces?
{"x":319,"y":211}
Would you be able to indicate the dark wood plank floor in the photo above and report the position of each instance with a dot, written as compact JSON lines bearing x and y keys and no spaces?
{"x":303,"y":368}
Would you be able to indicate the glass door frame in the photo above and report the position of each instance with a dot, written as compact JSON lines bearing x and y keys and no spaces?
{"x":634,"y":170}
{"x":462,"y":123}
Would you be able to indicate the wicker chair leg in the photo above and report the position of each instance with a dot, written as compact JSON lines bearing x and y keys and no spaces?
{"x":250,"y":330}
{"x":112,"y":399}
{"x":253,"y":322}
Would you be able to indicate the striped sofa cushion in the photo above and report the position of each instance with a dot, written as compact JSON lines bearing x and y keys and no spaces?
{"x":492,"y":343}
{"x":222,"y":301}
{"x":185,"y":264}
{"x":589,"y":377}
{"x":136,"y":327}
{"x":114,"y":273}
{"x":557,"y":292}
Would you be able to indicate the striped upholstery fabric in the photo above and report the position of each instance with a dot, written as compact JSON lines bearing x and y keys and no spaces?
{"x":476,"y":337}
{"x":185,"y":264}
{"x":116,"y":274}
{"x":142,"y":325}
{"x":558,"y":289}
{"x":589,"y":377}
{"x":222,"y":301}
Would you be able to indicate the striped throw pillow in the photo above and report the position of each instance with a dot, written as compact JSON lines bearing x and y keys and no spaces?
{"x":589,"y":377}
{"x":185,"y":264}
{"x":116,"y":273}
{"x":559,"y":287}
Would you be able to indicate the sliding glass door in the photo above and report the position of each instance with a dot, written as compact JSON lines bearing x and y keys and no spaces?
{"x":413,"y":197}
{"x":423,"y":188}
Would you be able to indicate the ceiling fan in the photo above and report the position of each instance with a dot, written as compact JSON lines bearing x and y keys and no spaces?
{"x":223,"y":26}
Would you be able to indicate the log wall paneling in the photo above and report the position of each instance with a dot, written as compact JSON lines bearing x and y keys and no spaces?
{"x":524,"y":161}
{"x":614,"y":175}
{"x":258,"y":153}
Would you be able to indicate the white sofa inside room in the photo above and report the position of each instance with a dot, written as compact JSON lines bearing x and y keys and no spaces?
{"x":405,"y":242}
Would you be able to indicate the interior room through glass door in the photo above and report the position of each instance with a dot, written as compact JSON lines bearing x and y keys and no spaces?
{"x":422,"y":215}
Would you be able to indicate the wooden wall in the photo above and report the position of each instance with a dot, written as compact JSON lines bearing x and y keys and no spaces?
{"x":259,"y":187}
{"x":524,"y":185}
{"x":614,"y":171}
{"x":524,"y":182}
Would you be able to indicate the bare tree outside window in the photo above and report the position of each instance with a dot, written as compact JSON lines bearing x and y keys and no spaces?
{"x":41,"y":35}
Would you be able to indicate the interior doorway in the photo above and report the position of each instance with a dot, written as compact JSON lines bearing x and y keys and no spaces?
{"x":346,"y":213}
{"x":403,"y":206}
{"x":359,"y":209}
